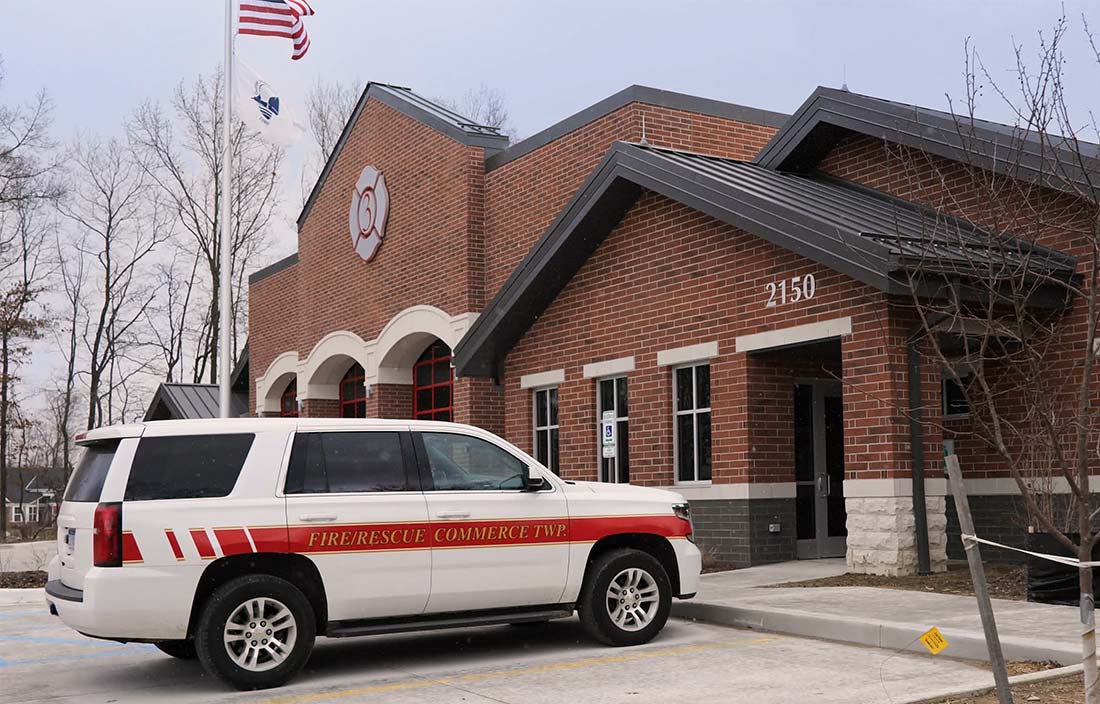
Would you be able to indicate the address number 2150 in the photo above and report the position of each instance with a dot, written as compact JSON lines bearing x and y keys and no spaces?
{"x":790,"y":290}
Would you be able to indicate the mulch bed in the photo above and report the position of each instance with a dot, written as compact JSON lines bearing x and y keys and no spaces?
{"x":1060,"y":690}
{"x":22,"y":580}
{"x":1005,"y":582}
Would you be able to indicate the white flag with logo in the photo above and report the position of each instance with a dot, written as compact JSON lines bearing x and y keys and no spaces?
{"x":264,"y":108}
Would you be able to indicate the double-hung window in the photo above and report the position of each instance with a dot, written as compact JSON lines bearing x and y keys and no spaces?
{"x":691,"y":394}
{"x":546,"y":428}
{"x":611,"y":399}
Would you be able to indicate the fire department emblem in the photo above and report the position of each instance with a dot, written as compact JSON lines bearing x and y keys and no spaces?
{"x":370,"y":204}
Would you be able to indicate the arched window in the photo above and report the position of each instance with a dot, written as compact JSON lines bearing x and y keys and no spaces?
{"x":353,"y":395}
{"x":288,"y":402}
{"x":433,"y":382}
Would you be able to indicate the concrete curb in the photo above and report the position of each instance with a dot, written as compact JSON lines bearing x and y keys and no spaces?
{"x":977,"y":692}
{"x":19,"y":597}
{"x":967,"y":645}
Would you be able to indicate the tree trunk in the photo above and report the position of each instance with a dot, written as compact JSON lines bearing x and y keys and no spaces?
{"x":1088,"y":632}
{"x":3,"y":437}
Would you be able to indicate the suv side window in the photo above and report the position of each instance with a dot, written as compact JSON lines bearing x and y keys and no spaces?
{"x":464,"y":463}
{"x":323,"y":463}
{"x":187,"y":466}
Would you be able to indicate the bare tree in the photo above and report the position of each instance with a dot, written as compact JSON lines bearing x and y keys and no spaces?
{"x":73,"y":277}
{"x":27,"y":161}
{"x":120,"y":227}
{"x":328,"y":108}
{"x":185,"y":165}
{"x":22,"y":265}
{"x":485,"y":106}
{"x":1011,"y":320}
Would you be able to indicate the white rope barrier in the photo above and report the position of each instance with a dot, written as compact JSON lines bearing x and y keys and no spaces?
{"x":972,"y":540}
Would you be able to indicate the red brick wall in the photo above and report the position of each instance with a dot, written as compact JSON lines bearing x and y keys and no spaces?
{"x":668,"y":277}
{"x":1047,"y":217}
{"x":273,"y":323}
{"x":524,"y":196}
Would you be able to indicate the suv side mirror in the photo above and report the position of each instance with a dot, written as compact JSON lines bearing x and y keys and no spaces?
{"x":534,"y":480}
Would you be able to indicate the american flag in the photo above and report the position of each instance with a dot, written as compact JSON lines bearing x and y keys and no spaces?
{"x":277,"y":18}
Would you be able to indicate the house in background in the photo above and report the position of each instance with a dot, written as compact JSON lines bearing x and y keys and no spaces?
{"x":184,"y":401}
{"x":31,"y":498}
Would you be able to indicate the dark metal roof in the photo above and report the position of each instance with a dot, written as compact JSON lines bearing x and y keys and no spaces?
{"x":284,"y":263}
{"x":867,"y":235}
{"x":419,"y":108}
{"x":192,"y":401}
{"x":829,"y":115}
{"x":635,"y":94}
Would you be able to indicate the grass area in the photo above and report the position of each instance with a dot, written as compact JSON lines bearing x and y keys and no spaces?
{"x":1060,"y":690}
{"x":1005,"y":582}
{"x":22,"y":580}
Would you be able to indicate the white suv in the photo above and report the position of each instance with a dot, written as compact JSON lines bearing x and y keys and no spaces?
{"x":239,"y":541}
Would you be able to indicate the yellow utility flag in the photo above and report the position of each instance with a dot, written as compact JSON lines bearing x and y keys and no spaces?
{"x":934,"y":641}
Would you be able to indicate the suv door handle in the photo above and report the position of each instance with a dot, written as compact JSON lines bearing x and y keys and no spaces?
{"x":317,"y":517}
{"x":452,"y":514}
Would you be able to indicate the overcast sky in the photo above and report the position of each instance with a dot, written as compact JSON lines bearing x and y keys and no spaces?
{"x":98,"y":60}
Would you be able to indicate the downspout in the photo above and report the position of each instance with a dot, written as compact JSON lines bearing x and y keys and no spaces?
{"x":916,"y":448}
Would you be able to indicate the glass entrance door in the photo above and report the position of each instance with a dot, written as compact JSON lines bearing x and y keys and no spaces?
{"x":819,"y":469}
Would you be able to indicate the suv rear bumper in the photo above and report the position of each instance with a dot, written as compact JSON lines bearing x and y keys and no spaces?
{"x":57,"y":590}
{"x":127,"y":603}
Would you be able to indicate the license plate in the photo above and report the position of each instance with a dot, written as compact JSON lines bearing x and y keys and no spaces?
{"x":70,"y":540}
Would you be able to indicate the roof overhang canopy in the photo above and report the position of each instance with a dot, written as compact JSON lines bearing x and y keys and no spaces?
{"x":872,"y":237}
{"x":829,"y":115}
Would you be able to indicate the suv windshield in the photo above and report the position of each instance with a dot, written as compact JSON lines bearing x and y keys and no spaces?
{"x":87,"y":480}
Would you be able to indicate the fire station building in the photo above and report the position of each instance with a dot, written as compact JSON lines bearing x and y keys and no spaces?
{"x":661,"y":289}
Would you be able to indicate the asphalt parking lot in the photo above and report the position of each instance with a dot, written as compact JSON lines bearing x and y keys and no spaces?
{"x":41,"y":660}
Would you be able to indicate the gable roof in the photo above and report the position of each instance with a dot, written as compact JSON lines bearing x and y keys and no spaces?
{"x":829,"y":115}
{"x":404,"y":100}
{"x":862,"y":233}
{"x":193,"y":401}
{"x":635,"y":94}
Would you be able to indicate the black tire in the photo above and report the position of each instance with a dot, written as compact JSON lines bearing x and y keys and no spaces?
{"x":224,"y":602}
{"x":182,"y":649}
{"x":593,"y":607}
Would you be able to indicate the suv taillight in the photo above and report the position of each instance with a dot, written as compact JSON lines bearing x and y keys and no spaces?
{"x":107,"y":535}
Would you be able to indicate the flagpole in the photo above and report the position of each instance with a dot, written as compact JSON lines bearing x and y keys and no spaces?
{"x":224,"y":277}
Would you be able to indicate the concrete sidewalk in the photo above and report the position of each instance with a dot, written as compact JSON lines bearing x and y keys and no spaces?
{"x":886,"y":618}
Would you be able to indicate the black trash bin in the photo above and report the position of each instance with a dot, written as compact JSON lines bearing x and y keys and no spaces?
{"x":1051,"y":582}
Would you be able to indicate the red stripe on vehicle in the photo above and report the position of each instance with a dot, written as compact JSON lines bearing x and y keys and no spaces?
{"x":592,"y":529}
{"x":130,"y":550}
{"x":202,"y":543}
{"x":232,"y":540}
{"x":270,"y":539}
{"x":462,"y":534}
{"x":174,"y":543}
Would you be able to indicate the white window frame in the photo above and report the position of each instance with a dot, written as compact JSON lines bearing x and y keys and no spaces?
{"x":694,"y":412}
{"x":549,"y":427}
{"x":32,"y":513}
{"x":16,"y":513}
{"x":618,"y":419}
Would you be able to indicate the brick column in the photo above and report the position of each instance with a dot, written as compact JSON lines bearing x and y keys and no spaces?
{"x":320,"y":408}
{"x":390,"y":401}
{"x":878,"y":469}
{"x":478,"y":402}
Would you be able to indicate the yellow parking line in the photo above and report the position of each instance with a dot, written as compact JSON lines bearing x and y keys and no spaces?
{"x":534,"y":669}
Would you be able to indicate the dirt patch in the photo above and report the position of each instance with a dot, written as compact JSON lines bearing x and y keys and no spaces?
{"x":1060,"y":690}
{"x":1026,"y":667}
{"x":22,"y":580}
{"x":1005,"y":582}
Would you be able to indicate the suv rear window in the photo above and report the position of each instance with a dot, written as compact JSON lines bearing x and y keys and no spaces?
{"x":88,"y":477}
{"x":187,"y":466}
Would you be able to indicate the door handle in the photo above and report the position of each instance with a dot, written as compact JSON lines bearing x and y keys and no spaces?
{"x":452,"y":515}
{"x":317,"y":517}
